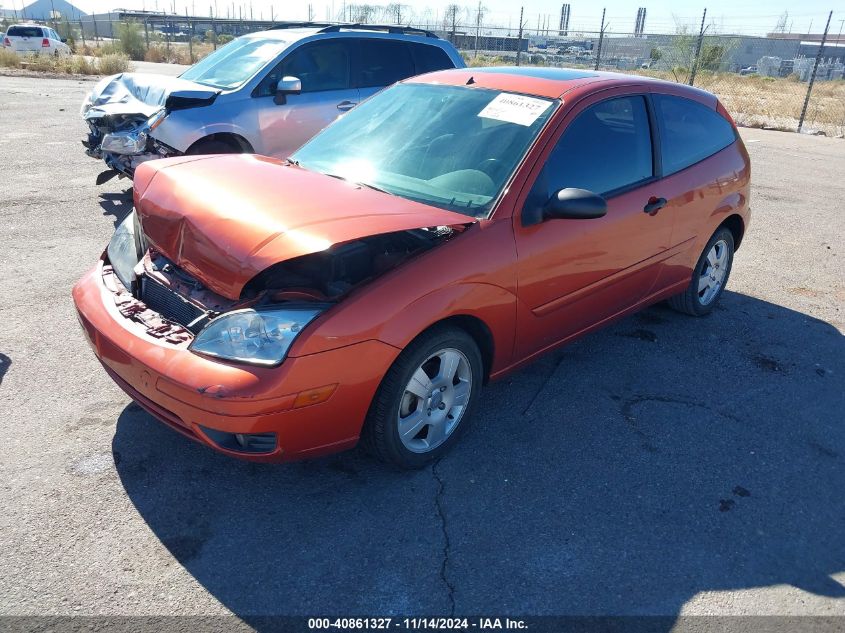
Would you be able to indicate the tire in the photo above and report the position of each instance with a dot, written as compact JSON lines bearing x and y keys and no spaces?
{"x":212,"y":147}
{"x":714,"y":266}
{"x":440,"y":417}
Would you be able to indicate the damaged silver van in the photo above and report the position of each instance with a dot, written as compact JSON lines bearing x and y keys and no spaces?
{"x":266,"y":92}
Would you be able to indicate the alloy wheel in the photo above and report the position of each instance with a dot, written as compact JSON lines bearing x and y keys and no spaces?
{"x":713,"y":272}
{"x":434,"y":401}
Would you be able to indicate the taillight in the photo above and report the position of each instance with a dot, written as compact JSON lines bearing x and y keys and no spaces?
{"x":7,"y":41}
{"x":45,"y":43}
{"x":725,"y":114}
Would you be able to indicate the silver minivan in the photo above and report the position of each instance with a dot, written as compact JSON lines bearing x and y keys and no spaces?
{"x":267,"y":92}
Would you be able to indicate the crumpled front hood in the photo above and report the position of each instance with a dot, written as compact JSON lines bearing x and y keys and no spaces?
{"x":145,"y":94}
{"x":224,"y":219}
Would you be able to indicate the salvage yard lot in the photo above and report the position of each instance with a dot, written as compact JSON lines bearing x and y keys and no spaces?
{"x":666,"y":465}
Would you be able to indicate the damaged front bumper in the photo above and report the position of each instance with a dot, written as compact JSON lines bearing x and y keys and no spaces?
{"x":252,"y":413}
{"x":124,"y":149}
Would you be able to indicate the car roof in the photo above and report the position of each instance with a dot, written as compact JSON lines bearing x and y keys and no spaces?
{"x":551,"y":83}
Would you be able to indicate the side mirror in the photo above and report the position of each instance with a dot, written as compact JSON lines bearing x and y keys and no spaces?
{"x":64,"y":40}
{"x":574,"y":204}
{"x":287,"y":86}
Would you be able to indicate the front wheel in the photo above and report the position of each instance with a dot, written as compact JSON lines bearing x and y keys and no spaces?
{"x":709,"y":277}
{"x":425,"y":399}
{"x":212,"y":146}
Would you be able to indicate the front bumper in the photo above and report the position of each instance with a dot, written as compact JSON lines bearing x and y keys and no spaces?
{"x":193,"y":394}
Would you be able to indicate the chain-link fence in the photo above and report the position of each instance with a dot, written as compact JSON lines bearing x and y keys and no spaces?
{"x":763,"y":81}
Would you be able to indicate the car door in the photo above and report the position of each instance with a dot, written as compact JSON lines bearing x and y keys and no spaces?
{"x":325,"y":69}
{"x":381,"y":62}
{"x":576,"y":273}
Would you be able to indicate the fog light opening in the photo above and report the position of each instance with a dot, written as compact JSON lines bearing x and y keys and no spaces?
{"x":252,"y":443}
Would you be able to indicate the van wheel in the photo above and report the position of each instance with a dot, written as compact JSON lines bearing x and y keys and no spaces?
{"x":709,"y":277}
{"x":425,"y":399}
{"x":212,"y":147}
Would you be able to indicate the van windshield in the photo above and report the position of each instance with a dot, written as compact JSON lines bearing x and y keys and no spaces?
{"x":230,"y":66}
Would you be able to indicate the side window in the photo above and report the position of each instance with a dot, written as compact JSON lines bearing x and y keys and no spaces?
{"x":319,"y":66}
{"x":428,"y":58}
{"x":606,"y":147}
{"x":383,"y":62}
{"x":689,"y":132}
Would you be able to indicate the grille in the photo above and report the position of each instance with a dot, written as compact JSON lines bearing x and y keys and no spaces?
{"x":169,"y":305}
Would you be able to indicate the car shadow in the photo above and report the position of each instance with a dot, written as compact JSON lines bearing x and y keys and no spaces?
{"x":116,"y":204}
{"x":5,"y":363}
{"x":622,"y":475}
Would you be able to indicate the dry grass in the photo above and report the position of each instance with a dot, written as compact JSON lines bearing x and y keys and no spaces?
{"x":73,"y":65}
{"x":179,"y":53}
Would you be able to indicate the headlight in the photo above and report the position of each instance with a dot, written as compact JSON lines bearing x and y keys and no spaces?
{"x":156,"y":119}
{"x":130,"y":142}
{"x":126,"y":249}
{"x":86,"y":104}
{"x":259,"y":337}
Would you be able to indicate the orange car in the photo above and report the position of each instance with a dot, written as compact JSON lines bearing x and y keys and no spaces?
{"x":443,"y":233}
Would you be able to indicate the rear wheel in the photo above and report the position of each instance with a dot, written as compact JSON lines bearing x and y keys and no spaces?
{"x":709,"y":277}
{"x":425,"y":399}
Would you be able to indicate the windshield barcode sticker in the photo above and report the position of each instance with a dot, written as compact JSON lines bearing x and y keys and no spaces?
{"x":515,"y":109}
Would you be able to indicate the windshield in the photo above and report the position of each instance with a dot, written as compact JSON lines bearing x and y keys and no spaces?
{"x":453,"y":147}
{"x":228,"y":67}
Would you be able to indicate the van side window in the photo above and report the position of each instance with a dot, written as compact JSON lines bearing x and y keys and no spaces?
{"x":689,"y":132}
{"x":319,"y":66}
{"x":428,"y":58}
{"x":383,"y":62}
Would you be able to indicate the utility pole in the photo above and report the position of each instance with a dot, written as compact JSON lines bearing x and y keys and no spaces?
{"x":477,"y":27}
{"x":813,"y":76}
{"x":697,"y":50}
{"x":519,"y":38}
{"x":601,"y":39}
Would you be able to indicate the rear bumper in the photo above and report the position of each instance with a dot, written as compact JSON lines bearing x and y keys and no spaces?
{"x":191,"y":393}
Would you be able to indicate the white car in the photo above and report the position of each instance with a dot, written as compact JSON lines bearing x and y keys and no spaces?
{"x":34,"y":39}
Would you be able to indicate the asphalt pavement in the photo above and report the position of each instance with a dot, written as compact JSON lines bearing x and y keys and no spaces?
{"x":666,"y":465}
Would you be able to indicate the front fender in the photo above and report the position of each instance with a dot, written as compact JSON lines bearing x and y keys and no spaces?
{"x":182,"y":128}
{"x":494,"y":306}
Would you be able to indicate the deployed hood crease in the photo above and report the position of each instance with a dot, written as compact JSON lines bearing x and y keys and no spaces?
{"x":228,"y":218}
{"x":145,"y":94}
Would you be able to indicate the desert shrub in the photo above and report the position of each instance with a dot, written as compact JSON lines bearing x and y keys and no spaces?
{"x":79,"y":65}
{"x":224,"y":38}
{"x":156,"y":53}
{"x":9,"y":59}
{"x":108,"y":48}
{"x":113,"y":64}
{"x":131,"y":38}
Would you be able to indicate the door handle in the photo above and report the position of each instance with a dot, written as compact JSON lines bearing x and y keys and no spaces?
{"x":346,"y":105}
{"x":654,"y":205}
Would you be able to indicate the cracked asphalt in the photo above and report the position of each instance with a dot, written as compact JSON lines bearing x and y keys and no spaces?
{"x":666,"y":465}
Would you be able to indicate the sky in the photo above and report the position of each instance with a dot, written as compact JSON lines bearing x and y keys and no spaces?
{"x":724,"y":16}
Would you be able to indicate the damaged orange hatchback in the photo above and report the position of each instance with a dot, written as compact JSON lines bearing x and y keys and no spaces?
{"x":441,"y":234}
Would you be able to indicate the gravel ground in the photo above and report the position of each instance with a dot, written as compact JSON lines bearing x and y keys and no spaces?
{"x":666,"y":465}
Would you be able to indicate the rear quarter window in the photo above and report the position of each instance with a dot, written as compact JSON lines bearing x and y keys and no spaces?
{"x":689,"y":132}
{"x":383,"y":62}
{"x":25,"y":31}
{"x":429,"y":58}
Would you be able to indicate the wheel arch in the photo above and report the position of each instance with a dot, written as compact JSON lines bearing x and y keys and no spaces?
{"x":736,"y":226}
{"x":230,"y":138}
{"x":478,"y":330}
